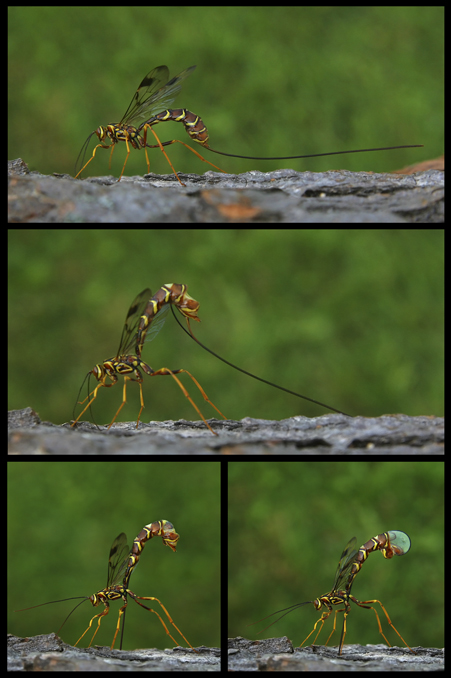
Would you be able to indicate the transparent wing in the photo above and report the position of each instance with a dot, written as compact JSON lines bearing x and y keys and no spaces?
{"x":157,"y":323}
{"x":132,"y":321}
{"x":118,"y":559}
{"x":154,"y":93}
{"x":345,"y":564}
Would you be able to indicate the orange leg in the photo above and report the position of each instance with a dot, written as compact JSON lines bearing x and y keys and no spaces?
{"x":159,"y":617}
{"x":102,"y":383}
{"x":160,"y":146}
{"x":90,"y":402}
{"x":166,"y":371}
{"x":100,"y":615}
{"x":124,"y":400}
{"x":121,"y":611}
{"x":92,"y":158}
{"x":111,"y":156}
{"x":335,"y":625}
{"x":363,"y":603}
{"x":126,"y":158}
{"x":322,"y":619}
{"x":168,"y":143}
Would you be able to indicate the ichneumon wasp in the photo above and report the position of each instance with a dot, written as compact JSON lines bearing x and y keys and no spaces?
{"x":155,"y":92}
{"x":146,"y":313}
{"x":121,"y":563}
{"x":393,"y":543}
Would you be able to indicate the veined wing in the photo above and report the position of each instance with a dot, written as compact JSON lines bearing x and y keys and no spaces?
{"x":345,"y":564}
{"x":134,"y":314}
{"x":118,"y":559}
{"x":155,"y":93}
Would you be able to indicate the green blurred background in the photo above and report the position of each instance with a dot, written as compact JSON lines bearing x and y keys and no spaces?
{"x":289,"y":523}
{"x":352,"y":318}
{"x":62,"y":520}
{"x":270,"y":81}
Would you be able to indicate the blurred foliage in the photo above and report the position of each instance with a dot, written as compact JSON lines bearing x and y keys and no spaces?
{"x":352,"y":318}
{"x":270,"y":81}
{"x":289,"y":523}
{"x":62,"y":521}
